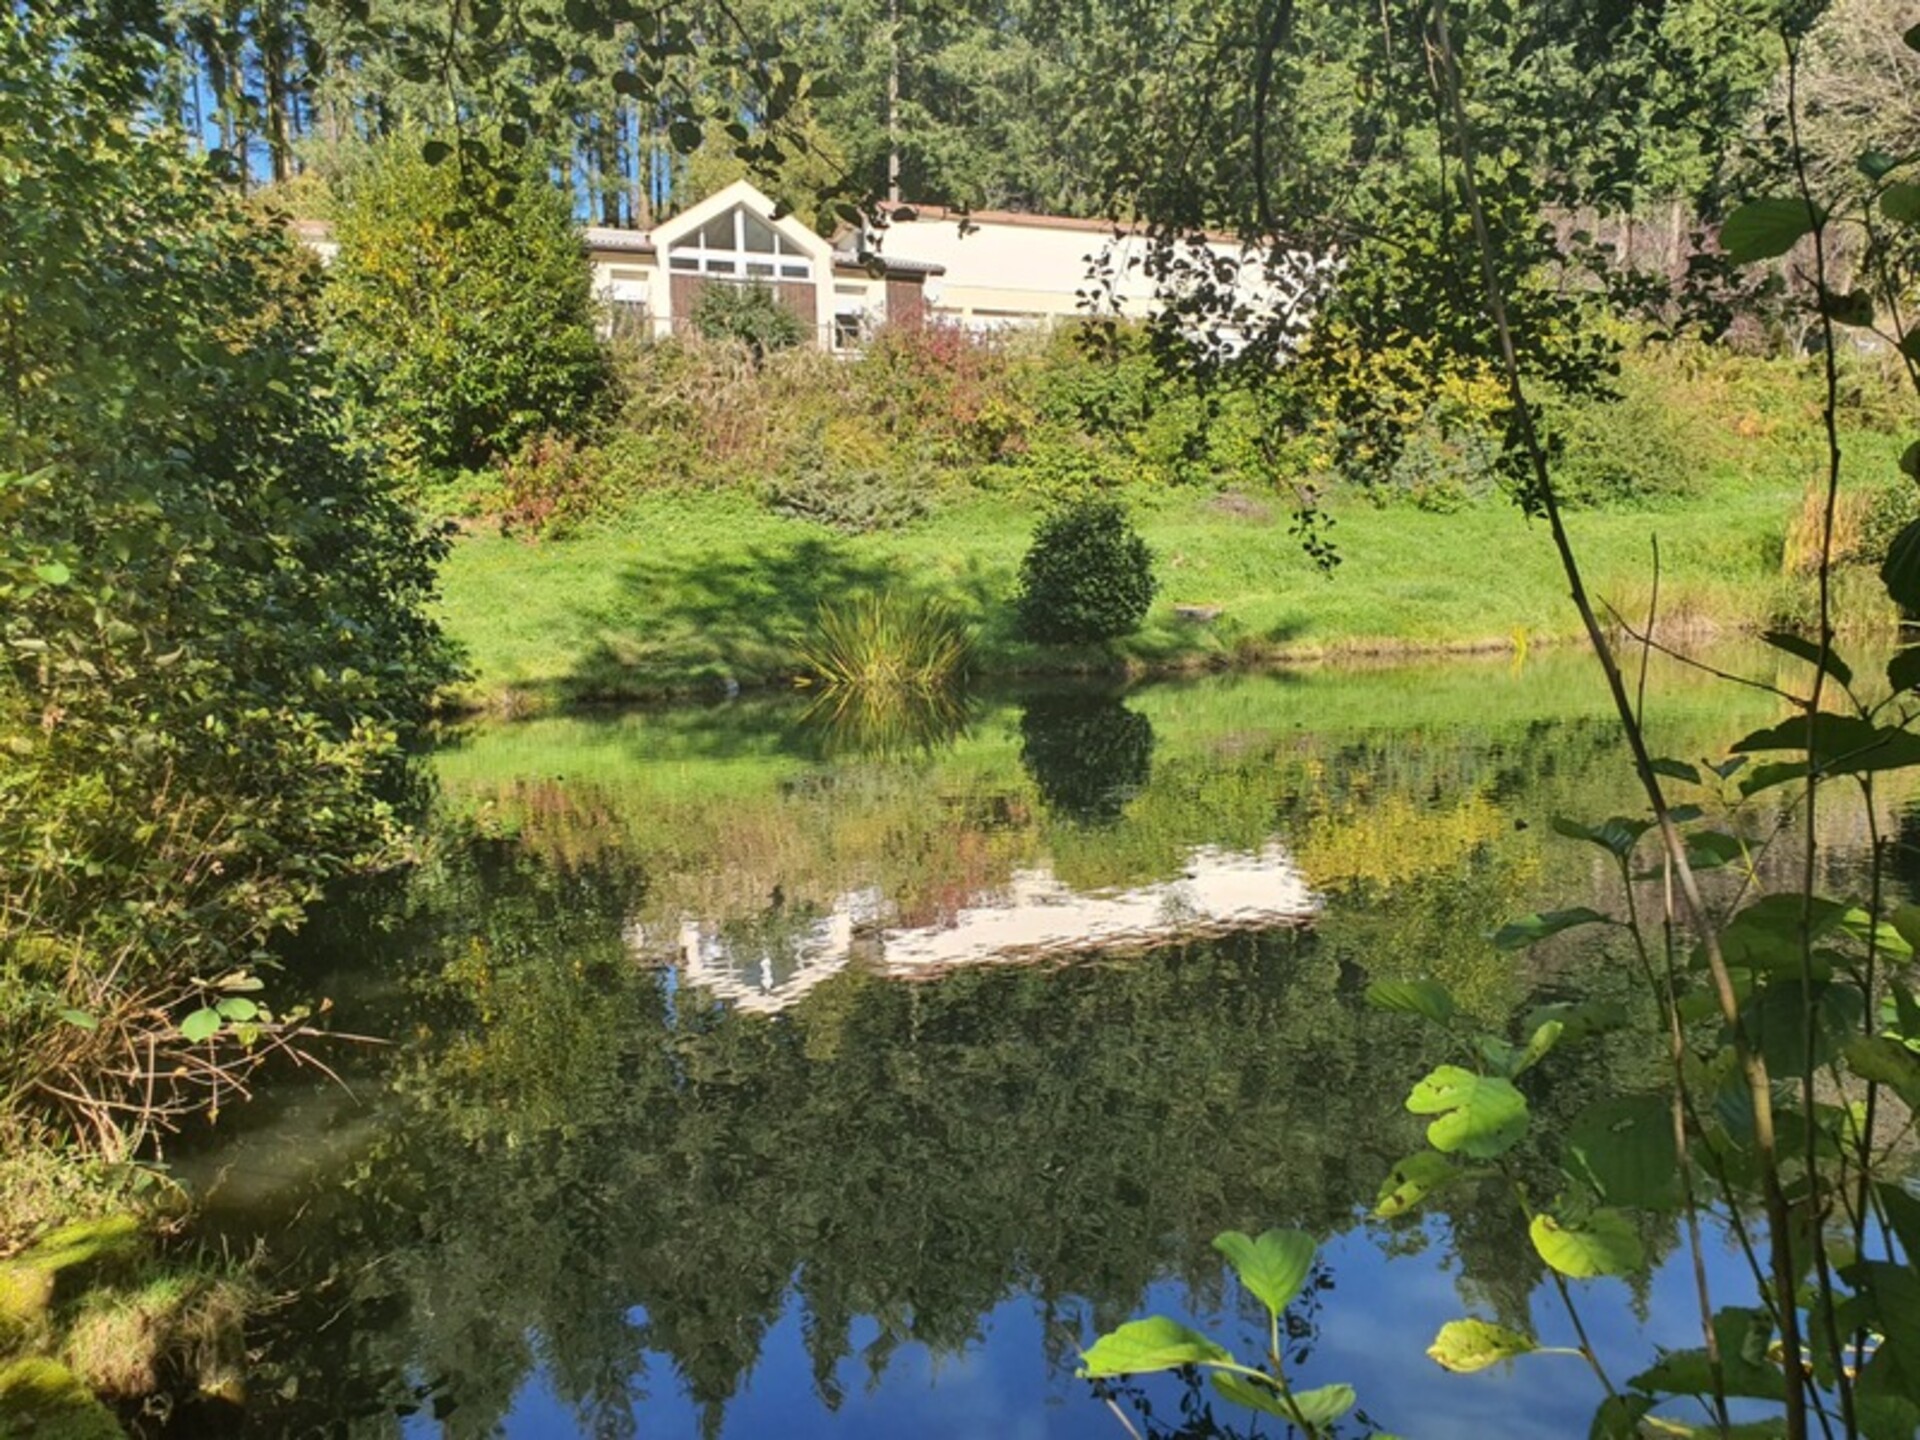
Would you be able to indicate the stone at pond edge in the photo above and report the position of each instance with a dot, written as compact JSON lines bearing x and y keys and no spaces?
{"x":1199,"y":614}
{"x":41,"y":1398}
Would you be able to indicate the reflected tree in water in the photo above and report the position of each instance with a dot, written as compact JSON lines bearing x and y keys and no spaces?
{"x":1088,"y":755}
{"x":591,"y":1172}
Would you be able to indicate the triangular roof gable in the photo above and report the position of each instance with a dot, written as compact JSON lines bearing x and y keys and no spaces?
{"x":740,"y":192}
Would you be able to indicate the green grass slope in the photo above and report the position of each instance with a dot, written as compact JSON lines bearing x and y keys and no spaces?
{"x":686,"y":593}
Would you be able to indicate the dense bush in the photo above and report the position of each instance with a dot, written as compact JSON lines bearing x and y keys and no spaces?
{"x":1626,"y":448}
{"x":551,"y":486}
{"x":214,"y":646}
{"x":856,"y":501}
{"x":867,"y":441}
{"x":956,"y":394}
{"x":751,"y":315}
{"x":1087,"y":576}
{"x":465,"y":321}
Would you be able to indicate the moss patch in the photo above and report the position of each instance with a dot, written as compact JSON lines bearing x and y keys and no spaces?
{"x":44,"y":1399}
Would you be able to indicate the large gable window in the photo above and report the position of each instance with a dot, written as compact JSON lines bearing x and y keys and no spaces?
{"x":740,"y":243}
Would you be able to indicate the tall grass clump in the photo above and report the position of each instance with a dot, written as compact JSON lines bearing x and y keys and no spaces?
{"x":889,"y":642}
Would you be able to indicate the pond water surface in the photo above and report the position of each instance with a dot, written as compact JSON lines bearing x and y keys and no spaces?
{"x":752,"y":1075}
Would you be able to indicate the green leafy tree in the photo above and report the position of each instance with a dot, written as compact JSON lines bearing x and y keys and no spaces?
{"x":466,"y":320}
{"x":214,"y":648}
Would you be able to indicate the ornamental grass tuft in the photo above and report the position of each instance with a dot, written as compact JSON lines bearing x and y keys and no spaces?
{"x":888,"y":642}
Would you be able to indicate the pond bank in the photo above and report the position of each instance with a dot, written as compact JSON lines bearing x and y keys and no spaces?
{"x":698,"y":595}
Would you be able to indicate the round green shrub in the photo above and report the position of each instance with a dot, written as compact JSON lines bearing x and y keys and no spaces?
{"x":1087,"y":576}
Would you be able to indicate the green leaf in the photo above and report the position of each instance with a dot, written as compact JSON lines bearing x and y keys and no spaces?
{"x":1155,"y":1343}
{"x":52,"y":572}
{"x":1876,"y":164}
{"x":1710,"y":849}
{"x":1617,"y":834}
{"x":1262,"y":1395}
{"x":80,"y":1018}
{"x":626,"y":83}
{"x":1605,"y":1243}
{"x":1412,"y":1180}
{"x":1762,"y":229}
{"x":1426,"y":998}
{"x":1767,"y":934}
{"x":1582,"y":1021}
{"x":1322,"y":1406}
{"x":1888,"y":938}
{"x":1464,"y":1346}
{"x":435,"y":152}
{"x":1619,"y":1417}
{"x":1906,"y":1008}
{"x":1776,"y":1021}
{"x":1309,"y":1409}
{"x":1623,"y":1147}
{"x":1903,"y":670}
{"x":1884,"y":1059}
{"x":1545,"y":1036}
{"x":1519,"y":934}
{"x":1765,"y":777}
{"x":1850,"y":307}
{"x":1273,"y":1267}
{"x":238,"y":1007}
{"x":200,"y":1025}
{"x":1676,"y":770}
{"x":1836,"y":744}
{"x":1901,"y":202}
{"x":1903,"y":1217}
{"x":1480,"y":1115}
{"x":1742,"y":1337}
{"x":1900,"y":572}
{"x":1912,"y":37}
{"x":1810,"y":651}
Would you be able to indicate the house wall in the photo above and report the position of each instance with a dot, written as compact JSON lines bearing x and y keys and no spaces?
{"x":906,"y":301}
{"x":1030,"y":270}
{"x":856,"y":301}
{"x":1008,"y":273}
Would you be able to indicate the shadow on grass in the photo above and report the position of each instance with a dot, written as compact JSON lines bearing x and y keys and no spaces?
{"x":707,"y":625}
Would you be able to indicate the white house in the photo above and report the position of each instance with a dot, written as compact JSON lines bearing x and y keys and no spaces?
{"x":1001,"y":268}
{"x":651,"y":279}
{"x":985,"y":270}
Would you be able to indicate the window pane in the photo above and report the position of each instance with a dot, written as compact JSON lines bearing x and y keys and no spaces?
{"x":758,"y":236}
{"x":759,"y":267}
{"x":717,"y":233}
{"x":684,"y":261}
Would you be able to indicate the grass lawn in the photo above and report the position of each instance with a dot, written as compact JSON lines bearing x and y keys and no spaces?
{"x":683,"y":594}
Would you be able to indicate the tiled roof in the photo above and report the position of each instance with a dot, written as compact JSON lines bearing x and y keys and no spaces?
{"x":909,"y":213}
{"x":607,"y":237}
{"x":889,"y":264}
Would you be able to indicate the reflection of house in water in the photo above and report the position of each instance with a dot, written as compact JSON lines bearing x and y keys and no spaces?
{"x":768,"y":963}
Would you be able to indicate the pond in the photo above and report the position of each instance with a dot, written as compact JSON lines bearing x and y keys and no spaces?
{"x":754,"y":1072}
